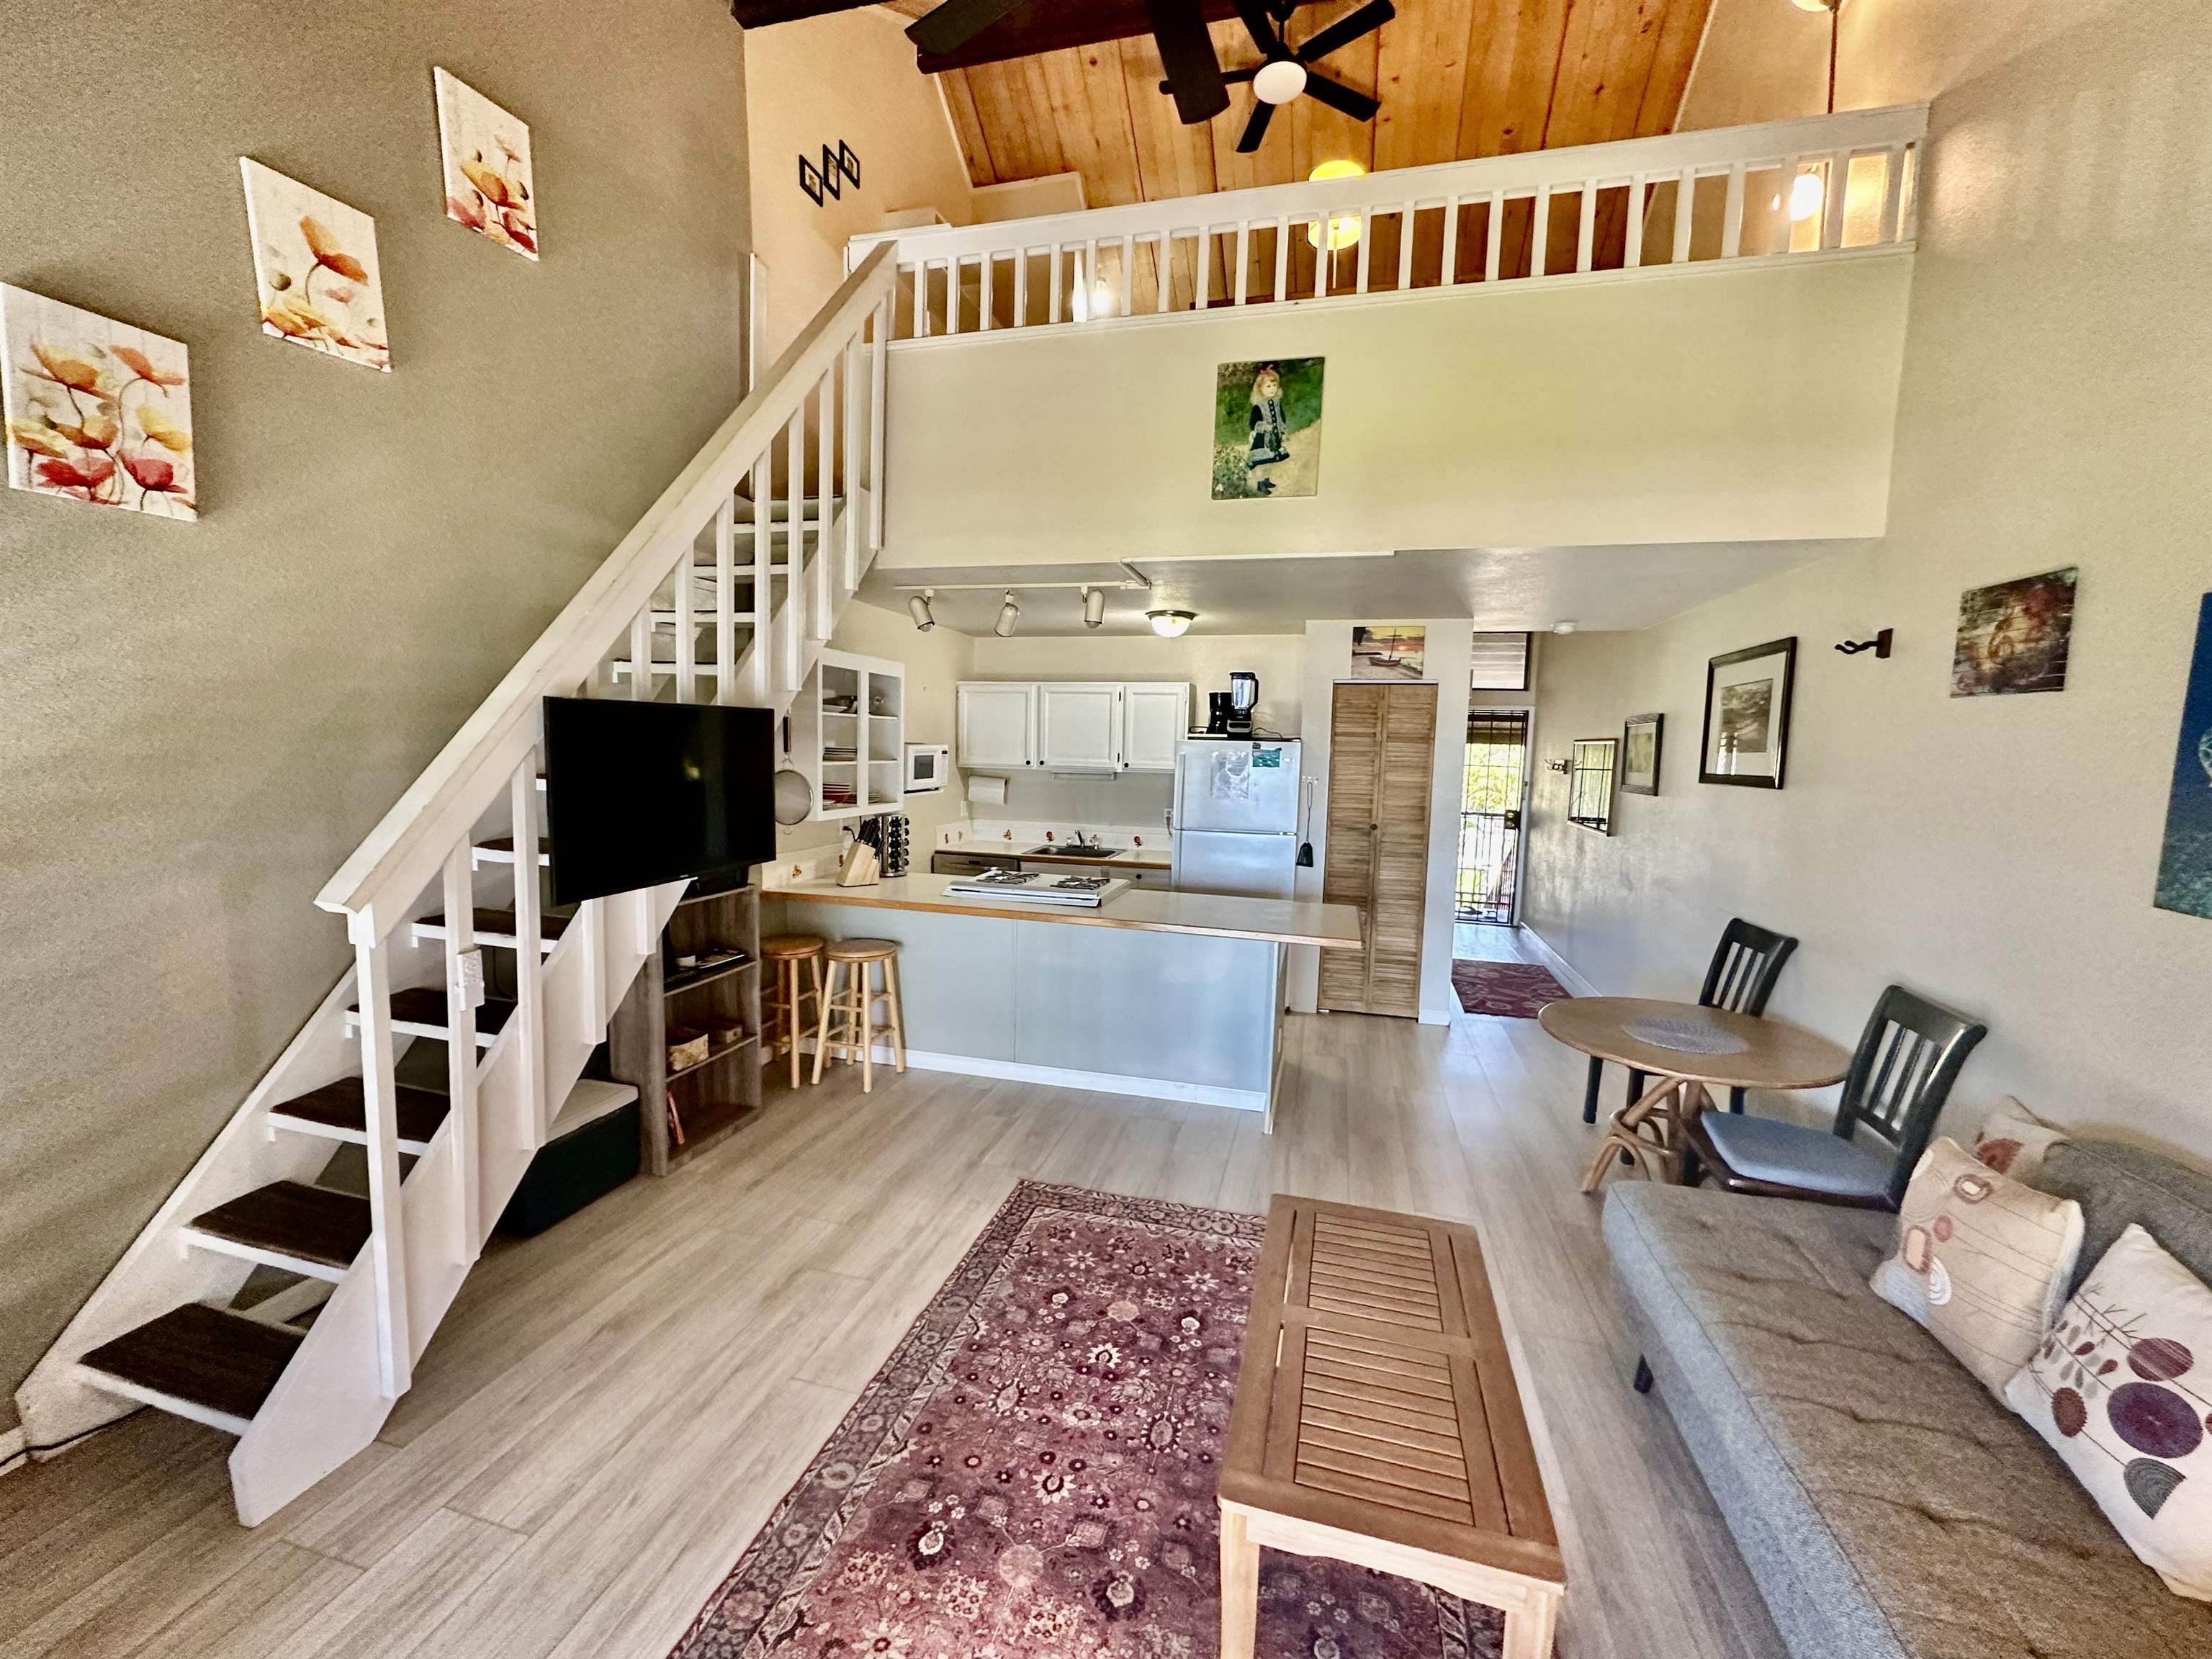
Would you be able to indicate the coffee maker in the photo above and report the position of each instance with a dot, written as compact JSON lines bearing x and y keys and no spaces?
{"x":1218,"y":707}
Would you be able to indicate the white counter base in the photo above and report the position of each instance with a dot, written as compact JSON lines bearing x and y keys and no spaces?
{"x":1058,"y":1077}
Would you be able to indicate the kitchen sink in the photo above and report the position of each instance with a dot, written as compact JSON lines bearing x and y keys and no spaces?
{"x":1073,"y":849}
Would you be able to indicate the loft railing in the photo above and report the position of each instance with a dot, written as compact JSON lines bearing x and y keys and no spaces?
{"x":1823,"y":184}
{"x":823,"y":399}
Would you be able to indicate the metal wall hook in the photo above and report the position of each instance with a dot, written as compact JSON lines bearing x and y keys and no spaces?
{"x":1879,"y":645}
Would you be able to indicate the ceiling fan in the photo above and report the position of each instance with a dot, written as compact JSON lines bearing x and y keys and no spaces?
{"x":1283,"y":73}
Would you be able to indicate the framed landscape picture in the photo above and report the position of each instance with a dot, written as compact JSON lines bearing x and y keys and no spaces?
{"x":1639,"y":754}
{"x":2185,"y":868}
{"x":1389,"y":654}
{"x":1747,"y":731}
{"x":2013,"y":637}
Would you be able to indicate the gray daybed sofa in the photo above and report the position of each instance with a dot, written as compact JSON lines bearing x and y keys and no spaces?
{"x":1887,"y":1503}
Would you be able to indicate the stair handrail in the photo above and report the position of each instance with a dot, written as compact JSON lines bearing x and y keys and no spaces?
{"x":408,"y":847}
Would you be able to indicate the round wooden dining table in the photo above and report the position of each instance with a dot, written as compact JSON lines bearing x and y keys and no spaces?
{"x":1689,"y":1048}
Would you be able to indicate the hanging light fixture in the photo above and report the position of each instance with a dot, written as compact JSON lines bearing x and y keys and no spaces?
{"x":1010,"y":616}
{"x":1343,"y":228}
{"x":1094,"y":606}
{"x":1834,"y":9}
{"x":1170,"y":624}
{"x":918,"y":608}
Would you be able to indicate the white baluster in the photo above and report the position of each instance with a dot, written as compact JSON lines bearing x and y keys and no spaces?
{"x":1164,"y":272}
{"x":530,"y":961}
{"x":877,"y":362}
{"x":763,"y":647}
{"x":826,"y":455}
{"x":849,"y":449}
{"x":641,"y":652}
{"x":914,"y":327}
{"x":1058,"y":258}
{"x":1201,"y":280}
{"x":1892,"y":192}
{"x":1540,"y":231}
{"x":922,"y":300}
{"x":1732,"y":215}
{"x":1021,"y":288}
{"x":1494,"y":236}
{"x":1686,"y":209}
{"x":1838,"y":188}
{"x":1586,"y":229}
{"x":794,"y":545}
{"x":1449,"y":270}
{"x":387,"y":1252}
{"x":726,"y":601}
{"x":1282,"y":259}
{"x":1632,"y":257}
{"x":990,"y":263}
{"x":1243,"y":256}
{"x":687,"y":629}
{"x":953,"y":295}
{"x":1129,"y":276}
{"x":461,"y":1048}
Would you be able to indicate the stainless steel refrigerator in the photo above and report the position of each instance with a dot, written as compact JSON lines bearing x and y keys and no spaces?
{"x":1236,"y":816}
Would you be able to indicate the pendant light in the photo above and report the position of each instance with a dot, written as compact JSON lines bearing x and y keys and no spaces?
{"x":1170,"y":624}
{"x":1010,"y":616}
{"x":1834,"y":9}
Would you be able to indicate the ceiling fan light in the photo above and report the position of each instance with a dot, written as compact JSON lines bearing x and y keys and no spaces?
{"x":1806,"y":193}
{"x":1170,"y":624}
{"x":1094,"y":606}
{"x":918,"y":608}
{"x":1010,"y":616}
{"x":1278,"y":81}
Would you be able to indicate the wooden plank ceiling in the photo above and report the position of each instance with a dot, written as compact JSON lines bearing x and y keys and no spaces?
{"x":1457,"y":78}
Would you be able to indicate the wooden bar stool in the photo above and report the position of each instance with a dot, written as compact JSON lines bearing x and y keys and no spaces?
{"x":786,"y":953}
{"x":848,"y":1013}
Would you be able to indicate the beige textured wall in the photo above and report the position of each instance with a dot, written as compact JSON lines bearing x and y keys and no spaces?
{"x":1997,"y":852}
{"x":810,"y":83}
{"x":201,"y":720}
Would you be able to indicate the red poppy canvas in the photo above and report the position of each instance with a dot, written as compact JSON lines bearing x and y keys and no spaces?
{"x":96,"y":410}
{"x":314,"y":263}
{"x":485,"y":151}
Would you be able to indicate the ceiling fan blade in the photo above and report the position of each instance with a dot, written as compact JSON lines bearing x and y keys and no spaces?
{"x":1229,"y":77}
{"x":1256,"y":128}
{"x":1187,"y":54}
{"x":955,"y":23}
{"x":1371,"y":16}
{"x":1337,"y":96}
{"x":1261,"y":27}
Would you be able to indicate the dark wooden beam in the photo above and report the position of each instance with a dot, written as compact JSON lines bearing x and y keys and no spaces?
{"x":1031,"y":28}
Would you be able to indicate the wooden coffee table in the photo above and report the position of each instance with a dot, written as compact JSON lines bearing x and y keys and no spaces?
{"x":1378,"y":1422}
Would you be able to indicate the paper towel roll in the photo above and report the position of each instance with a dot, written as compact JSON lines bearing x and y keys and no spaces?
{"x":986,"y":792}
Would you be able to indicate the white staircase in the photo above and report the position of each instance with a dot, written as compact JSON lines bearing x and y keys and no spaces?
{"x":726,"y":591}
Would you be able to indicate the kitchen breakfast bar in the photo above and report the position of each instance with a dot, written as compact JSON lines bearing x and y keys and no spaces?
{"x":1172,"y":994}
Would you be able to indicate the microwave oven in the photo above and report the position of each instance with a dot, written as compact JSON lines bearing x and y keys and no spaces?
{"x":928,"y":766}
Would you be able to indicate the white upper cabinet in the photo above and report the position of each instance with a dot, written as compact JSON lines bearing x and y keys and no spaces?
{"x":998,"y":725}
{"x":1154,"y":719}
{"x":1079,"y":727}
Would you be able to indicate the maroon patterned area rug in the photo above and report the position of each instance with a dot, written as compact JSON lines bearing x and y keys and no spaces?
{"x":1516,"y":990}
{"x":1032,"y":1473}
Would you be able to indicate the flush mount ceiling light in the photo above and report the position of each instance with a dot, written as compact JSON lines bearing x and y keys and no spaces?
{"x":1170,"y":624}
{"x":1010,"y":615}
{"x":1094,"y":606}
{"x":918,"y":608}
{"x":1563,"y":628}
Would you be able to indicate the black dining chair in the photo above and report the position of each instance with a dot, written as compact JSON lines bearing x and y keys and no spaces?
{"x":1901,"y":1074}
{"x":1740,"y":979}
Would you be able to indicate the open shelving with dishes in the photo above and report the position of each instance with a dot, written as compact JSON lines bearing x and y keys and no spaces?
{"x":690,"y":1038}
{"x":848,"y":736}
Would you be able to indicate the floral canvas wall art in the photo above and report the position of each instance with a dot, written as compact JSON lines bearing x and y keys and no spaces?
{"x":2013,"y":637}
{"x":486,"y":152}
{"x":2184,"y":869}
{"x":96,"y":410}
{"x":1267,"y":428}
{"x":314,"y":262}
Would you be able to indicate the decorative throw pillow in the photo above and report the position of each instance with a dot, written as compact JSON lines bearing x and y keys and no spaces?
{"x":2012,"y":1140}
{"x":1983,"y":1261}
{"x":2121,"y":1389}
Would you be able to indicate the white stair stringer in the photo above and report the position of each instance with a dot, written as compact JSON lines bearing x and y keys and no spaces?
{"x":319,"y":1401}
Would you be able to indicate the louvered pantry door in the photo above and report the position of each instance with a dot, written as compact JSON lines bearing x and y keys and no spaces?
{"x":1381,"y":760}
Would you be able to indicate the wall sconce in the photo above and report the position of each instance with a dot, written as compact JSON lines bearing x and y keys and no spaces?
{"x":1559,"y":766}
{"x":1879,"y":645}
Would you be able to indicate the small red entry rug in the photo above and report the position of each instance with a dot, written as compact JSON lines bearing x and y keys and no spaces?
{"x":1517,"y":990}
{"x":1031,"y":1475}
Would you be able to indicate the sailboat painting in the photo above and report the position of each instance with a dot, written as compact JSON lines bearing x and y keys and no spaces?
{"x":2185,"y":871}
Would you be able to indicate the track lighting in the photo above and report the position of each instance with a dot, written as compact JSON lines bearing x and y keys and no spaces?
{"x":1010,"y":613}
{"x":1170,"y":624}
{"x":918,"y":608}
{"x":1094,"y":606}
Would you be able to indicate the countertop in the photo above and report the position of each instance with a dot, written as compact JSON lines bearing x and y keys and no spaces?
{"x":1147,"y":909}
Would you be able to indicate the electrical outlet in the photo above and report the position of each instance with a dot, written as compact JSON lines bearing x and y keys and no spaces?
{"x":471,"y":967}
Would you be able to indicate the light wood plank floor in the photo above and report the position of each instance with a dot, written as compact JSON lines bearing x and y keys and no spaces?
{"x":613,"y":1408}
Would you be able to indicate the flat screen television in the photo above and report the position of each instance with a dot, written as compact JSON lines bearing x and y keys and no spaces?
{"x":638,"y":793}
